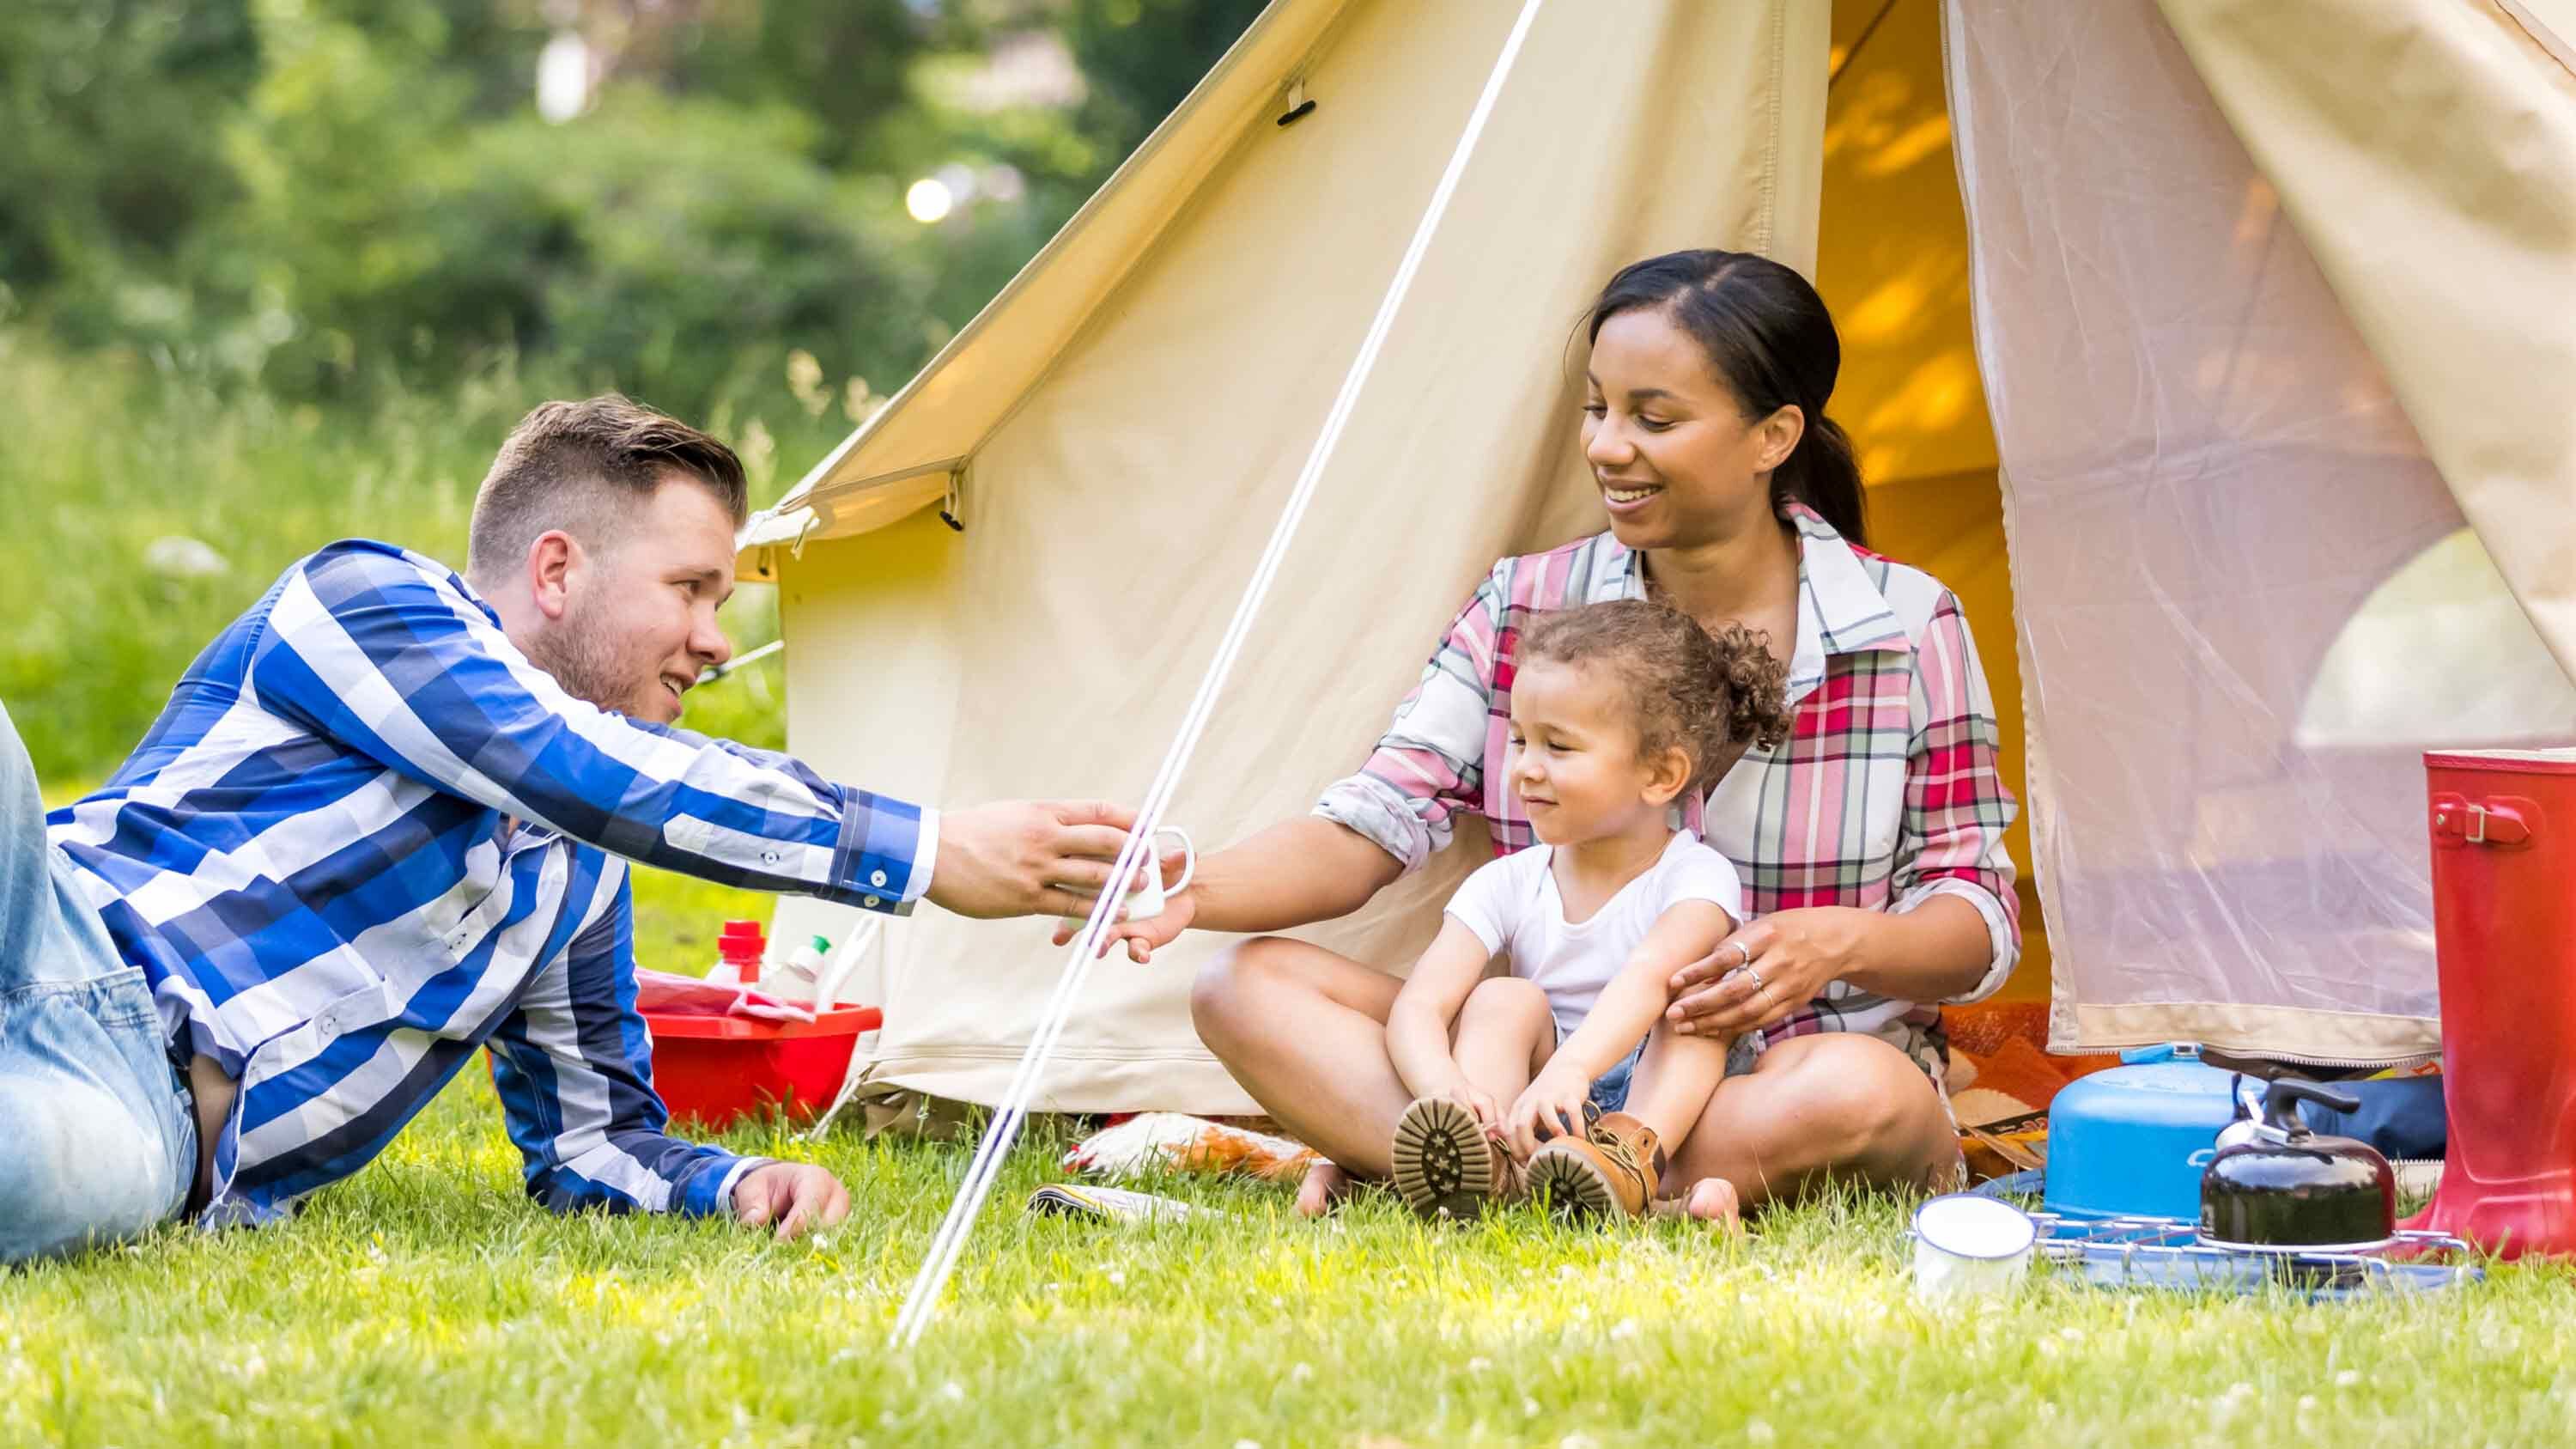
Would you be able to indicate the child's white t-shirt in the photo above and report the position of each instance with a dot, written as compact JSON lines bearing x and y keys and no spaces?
{"x":1513,"y":907}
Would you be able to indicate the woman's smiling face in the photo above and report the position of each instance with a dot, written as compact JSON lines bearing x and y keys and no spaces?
{"x":1676,"y":460}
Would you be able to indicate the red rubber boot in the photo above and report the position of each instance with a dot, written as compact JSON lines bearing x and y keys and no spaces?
{"x":2504,"y":929}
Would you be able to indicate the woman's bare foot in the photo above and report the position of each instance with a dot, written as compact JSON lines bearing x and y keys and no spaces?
{"x":1323,"y":1187}
{"x":1709,"y":1200}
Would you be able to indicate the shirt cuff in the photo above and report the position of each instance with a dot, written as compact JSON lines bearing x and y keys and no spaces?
{"x":925,"y":856}
{"x":1999,"y":932}
{"x":733,"y":1175}
{"x":883,"y":860}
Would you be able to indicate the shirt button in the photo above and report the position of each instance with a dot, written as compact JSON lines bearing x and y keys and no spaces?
{"x":877,"y":879}
{"x":872,"y":903}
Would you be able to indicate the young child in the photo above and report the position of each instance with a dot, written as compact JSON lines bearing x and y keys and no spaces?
{"x":1617,"y":708}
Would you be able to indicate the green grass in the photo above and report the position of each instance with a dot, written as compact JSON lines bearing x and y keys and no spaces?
{"x":426,"y":1301}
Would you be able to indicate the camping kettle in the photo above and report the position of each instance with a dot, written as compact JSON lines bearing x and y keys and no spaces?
{"x":2293,"y":1189}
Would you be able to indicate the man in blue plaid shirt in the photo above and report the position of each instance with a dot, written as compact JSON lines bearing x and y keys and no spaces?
{"x":385,"y":819}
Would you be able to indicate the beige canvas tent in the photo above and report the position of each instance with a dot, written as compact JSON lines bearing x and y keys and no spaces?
{"x":2250,"y":327}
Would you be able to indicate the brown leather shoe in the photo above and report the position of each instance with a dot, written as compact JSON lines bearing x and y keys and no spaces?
{"x":1613,"y":1168}
{"x":1447,"y":1165}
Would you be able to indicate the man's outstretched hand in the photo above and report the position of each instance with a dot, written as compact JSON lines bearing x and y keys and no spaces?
{"x":1027,"y":857}
{"x":794,"y":1195}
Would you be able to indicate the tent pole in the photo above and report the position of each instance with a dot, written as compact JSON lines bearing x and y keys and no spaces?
{"x":981,"y":1173}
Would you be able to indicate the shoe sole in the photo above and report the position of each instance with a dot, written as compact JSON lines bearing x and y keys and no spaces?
{"x":1444,"y":1163}
{"x":1572,"y":1186}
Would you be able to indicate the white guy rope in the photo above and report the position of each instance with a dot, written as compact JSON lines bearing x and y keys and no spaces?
{"x":949,"y":1243}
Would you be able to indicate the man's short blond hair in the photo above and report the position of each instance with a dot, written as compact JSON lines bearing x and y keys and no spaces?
{"x":569,"y":465}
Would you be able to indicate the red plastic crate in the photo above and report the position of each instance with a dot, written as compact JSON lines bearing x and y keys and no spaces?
{"x":716,"y":1070}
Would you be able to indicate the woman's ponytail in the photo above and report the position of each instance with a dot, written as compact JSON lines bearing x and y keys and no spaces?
{"x":1767,"y":333}
{"x":1822,"y":474}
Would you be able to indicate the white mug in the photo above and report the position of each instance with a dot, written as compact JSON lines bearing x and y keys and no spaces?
{"x":1147,"y":899}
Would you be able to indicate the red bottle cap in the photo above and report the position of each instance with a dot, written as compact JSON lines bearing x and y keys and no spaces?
{"x":741,"y":942}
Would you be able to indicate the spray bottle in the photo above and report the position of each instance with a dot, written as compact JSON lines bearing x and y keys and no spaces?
{"x":796,"y":980}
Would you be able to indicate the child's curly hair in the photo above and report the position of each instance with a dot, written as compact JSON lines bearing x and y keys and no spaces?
{"x":1686,"y":688}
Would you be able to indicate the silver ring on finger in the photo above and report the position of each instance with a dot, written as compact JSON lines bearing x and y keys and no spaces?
{"x":1743,"y":954}
{"x":1759,"y":985}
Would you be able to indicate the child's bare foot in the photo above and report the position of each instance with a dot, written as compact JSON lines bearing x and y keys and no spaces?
{"x":1710,"y":1200}
{"x":1323,"y":1187}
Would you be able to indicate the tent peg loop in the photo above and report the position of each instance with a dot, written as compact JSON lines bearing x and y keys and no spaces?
{"x":1298,"y":105}
{"x":952,"y":509}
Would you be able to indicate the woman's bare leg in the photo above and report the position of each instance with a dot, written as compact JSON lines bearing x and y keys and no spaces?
{"x":1837,"y":1105}
{"x":1304,"y":1030}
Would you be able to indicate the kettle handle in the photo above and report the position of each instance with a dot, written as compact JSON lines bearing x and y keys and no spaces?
{"x":2281,"y":1102}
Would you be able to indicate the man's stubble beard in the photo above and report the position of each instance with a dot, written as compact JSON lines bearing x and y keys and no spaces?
{"x":584,"y":663}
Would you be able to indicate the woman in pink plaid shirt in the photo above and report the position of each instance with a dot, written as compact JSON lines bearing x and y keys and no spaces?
{"x":1870,"y":843}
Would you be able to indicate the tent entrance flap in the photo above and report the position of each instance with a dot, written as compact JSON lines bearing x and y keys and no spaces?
{"x":2220,"y":497}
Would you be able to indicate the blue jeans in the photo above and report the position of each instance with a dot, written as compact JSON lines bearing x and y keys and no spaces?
{"x":1610,"y":1089}
{"x":98,"y":1140}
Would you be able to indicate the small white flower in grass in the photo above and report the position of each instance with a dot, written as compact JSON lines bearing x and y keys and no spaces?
{"x":2071,"y":1335}
{"x":1117,"y":1278}
{"x":1625,"y":1328}
{"x":1578,"y":1441}
{"x":1759,"y":1431}
{"x":1247,"y":1444}
{"x":2227,"y":1405}
{"x":953,"y":1391}
{"x":1529,"y":1407}
{"x":2347,"y":1378}
{"x":1302,"y":1373}
{"x":1479,"y":1365}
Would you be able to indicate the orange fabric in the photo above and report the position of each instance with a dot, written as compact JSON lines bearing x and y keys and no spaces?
{"x":2005,"y":1042}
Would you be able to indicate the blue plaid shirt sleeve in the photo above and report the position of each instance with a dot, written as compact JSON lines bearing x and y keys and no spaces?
{"x":393,"y":657}
{"x":574,"y":1065}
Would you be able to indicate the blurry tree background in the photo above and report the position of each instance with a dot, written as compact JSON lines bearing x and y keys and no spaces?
{"x":272,"y":271}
